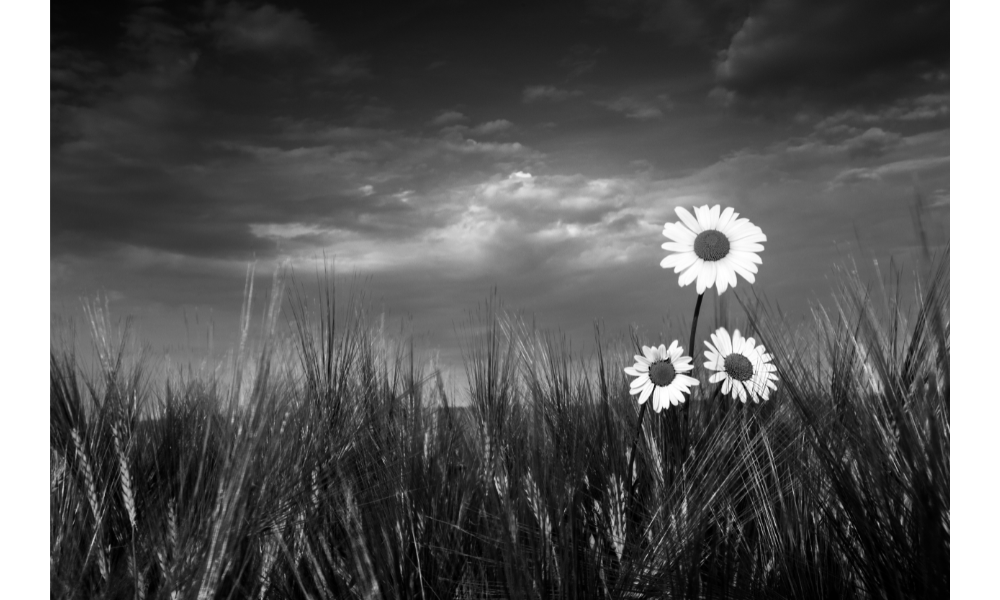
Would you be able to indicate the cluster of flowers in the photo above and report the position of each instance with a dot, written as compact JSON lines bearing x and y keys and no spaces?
{"x":710,"y":248}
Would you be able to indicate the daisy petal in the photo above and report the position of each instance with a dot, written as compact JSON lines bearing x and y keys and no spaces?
{"x":679,"y":262}
{"x":679,"y":247}
{"x":725,"y":342}
{"x":688,"y":380}
{"x":731,"y":275}
{"x":746,"y":255}
{"x":688,"y":219}
{"x":742,"y":246}
{"x":714,"y":217}
{"x":679,"y":233}
{"x":743,"y":273}
{"x":753,"y":236}
{"x":724,"y":220}
{"x":639,"y":381}
{"x":646,"y":391}
{"x":722,"y":277}
{"x":740,"y":261}
{"x":707,"y":276}
{"x":704,"y":217}
{"x":691,"y":273}
{"x":741,"y":228}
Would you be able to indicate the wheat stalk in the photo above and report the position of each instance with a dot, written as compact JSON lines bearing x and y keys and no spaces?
{"x":617,"y":502}
{"x":269,"y":553}
{"x":362,"y":560}
{"x":129,"y":500}
{"x":126,"y":480}
{"x":537,"y":504}
{"x":91,"y":490}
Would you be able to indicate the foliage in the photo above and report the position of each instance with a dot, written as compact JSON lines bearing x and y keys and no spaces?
{"x":333,"y":467}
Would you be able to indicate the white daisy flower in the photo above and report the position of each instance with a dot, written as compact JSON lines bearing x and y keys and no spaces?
{"x":743,"y":366}
{"x":712,"y":248}
{"x":660,"y":374}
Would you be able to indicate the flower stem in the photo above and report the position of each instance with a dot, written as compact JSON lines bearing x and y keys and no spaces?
{"x":694,"y":326}
{"x":631,"y":459}
{"x":642,"y":411}
{"x":685,"y":414}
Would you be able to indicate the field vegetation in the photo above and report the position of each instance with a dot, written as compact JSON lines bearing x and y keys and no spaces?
{"x":324,"y":462}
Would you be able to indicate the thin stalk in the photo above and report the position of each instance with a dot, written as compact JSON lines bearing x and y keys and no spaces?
{"x":694,"y":326}
{"x":642,"y":411}
{"x":686,"y":412}
{"x":631,"y":460}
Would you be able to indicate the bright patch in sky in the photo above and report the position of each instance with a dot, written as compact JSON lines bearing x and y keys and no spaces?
{"x":447,"y":151}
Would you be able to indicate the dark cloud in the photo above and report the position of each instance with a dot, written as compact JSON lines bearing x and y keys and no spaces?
{"x":262,"y":29}
{"x":836,"y":53}
{"x":492,"y":127}
{"x":704,"y":23}
{"x":449,"y":117}
{"x":927,"y":112}
{"x":635,"y":107}
{"x":542,"y":155}
{"x":872,"y":142}
{"x":547,"y":93}
{"x":581,"y":59}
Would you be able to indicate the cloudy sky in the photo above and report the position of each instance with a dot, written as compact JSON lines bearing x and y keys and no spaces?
{"x":444,"y":148}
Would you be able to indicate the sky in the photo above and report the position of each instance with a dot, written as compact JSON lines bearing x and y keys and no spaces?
{"x":438,"y":150}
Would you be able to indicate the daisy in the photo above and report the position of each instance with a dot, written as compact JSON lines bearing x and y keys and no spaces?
{"x":712,"y":248}
{"x":659,"y":374}
{"x":744,"y":368}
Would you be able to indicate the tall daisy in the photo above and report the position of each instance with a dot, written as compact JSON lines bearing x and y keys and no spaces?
{"x":711,"y":247}
{"x":742,"y":365}
{"x":660,"y":373}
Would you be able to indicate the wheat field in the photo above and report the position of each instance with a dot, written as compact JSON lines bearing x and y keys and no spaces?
{"x":324,"y":462}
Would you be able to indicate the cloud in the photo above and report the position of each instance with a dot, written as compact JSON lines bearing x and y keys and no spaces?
{"x":458,"y":133}
{"x":853,"y":51}
{"x":580,"y":59}
{"x":547,"y":93}
{"x":930,"y":110}
{"x":872,"y":142}
{"x":449,"y":117}
{"x":638,"y":108}
{"x":902,"y":170}
{"x":504,"y":149}
{"x":347,"y":68}
{"x":491,"y":127}
{"x":239,"y":29}
{"x":128,"y":177}
{"x":705,"y":23}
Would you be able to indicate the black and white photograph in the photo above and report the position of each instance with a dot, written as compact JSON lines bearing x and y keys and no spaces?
{"x":447,"y":299}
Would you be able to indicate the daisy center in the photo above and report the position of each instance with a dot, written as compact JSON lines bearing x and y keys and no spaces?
{"x":711,"y":245}
{"x":738,"y":367}
{"x":661,"y":373}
